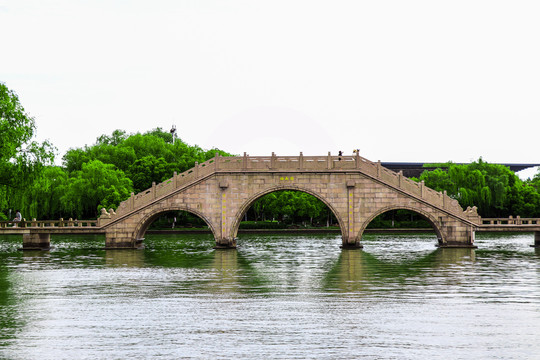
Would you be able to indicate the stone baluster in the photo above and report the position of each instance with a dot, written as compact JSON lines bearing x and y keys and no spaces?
{"x":379,"y":168}
{"x":244,"y":162}
{"x":273,"y":161}
{"x":329,"y":161}
{"x":301,"y":161}
{"x":444,"y":201}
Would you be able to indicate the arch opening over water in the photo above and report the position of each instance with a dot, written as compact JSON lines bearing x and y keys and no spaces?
{"x":173,"y":219}
{"x":402,"y":220}
{"x":286,"y":209}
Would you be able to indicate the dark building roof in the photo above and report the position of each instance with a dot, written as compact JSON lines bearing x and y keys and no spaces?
{"x":414,"y":169}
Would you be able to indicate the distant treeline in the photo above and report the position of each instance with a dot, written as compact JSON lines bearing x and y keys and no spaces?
{"x":101,"y":175}
{"x":494,"y":189}
{"x":104,"y":174}
{"x":107,"y":172}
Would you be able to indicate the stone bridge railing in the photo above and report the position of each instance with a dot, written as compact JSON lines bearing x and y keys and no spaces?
{"x":510,"y":221}
{"x":48,"y":224}
{"x":299,"y":163}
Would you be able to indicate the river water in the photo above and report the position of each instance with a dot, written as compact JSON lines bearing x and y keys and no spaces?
{"x":275,"y":297}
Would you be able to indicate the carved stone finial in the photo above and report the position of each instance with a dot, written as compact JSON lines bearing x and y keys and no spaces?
{"x":105,"y":214}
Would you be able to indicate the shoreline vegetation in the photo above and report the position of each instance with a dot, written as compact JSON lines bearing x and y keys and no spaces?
{"x":294,"y":231}
{"x":106,"y":173}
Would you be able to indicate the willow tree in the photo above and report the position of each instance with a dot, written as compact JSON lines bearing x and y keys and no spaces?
{"x":21,"y":160}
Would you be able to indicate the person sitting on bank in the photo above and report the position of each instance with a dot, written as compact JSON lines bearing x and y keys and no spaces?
{"x":18,"y":217}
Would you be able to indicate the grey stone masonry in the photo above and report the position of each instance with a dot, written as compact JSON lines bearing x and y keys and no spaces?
{"x":222,"y":189}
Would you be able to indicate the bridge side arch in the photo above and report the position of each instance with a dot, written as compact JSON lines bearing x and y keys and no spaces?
{"x":428,"y":216}
{"x":149,"y":218}
{"x":246,"y":205}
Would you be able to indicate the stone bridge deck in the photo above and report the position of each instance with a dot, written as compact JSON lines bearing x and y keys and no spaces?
{"x":222,"y":189}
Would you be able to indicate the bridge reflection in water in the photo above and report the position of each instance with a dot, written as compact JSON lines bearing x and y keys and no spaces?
{"x":357,"y":271}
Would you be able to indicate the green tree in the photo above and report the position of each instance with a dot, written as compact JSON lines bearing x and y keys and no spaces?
{"x":494,"y":189}
{"x":21,"y":160}
{"x":95,"y":186}
{"x":16,"y":127}
{"x":149,"y":169}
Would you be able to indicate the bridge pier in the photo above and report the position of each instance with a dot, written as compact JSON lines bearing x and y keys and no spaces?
{"x":36,"y":241}
{"x":536,"y":239}
{"x":225,"y":244}
{"x":120,"y":240}
{"x":458,"y":236}
{"x":351,"y":242}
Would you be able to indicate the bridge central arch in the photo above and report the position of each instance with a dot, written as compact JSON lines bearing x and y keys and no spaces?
{"x":248,"y":203}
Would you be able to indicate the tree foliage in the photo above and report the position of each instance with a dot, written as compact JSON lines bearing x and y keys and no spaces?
{"x":292,"y":207}
{"x":16,"y":127}
{"x":493,"y":188}
{"x":21,"y":160}
{"x":101,"y":175}
{"x":95,"y":186}
{"x":105,"y":173}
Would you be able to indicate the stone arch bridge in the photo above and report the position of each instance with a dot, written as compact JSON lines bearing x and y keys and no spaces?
{"x":221,"y":190}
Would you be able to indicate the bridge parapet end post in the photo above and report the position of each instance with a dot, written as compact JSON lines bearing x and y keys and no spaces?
{"x":301,"y":161}
{"x":104,"y":218}
{"x":471,"y":213}
{"x":273,"y":161}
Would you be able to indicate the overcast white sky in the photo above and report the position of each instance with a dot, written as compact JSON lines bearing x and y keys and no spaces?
{"x":400,"y":80}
